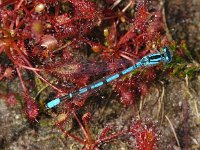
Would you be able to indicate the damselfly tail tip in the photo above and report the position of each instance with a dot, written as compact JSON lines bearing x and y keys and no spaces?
{"x":53,"y":103}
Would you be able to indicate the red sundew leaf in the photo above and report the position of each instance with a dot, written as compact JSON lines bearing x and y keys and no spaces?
{"x":127,"y":97}
{"x":31,"y":109}
{"x":145,"y":136}
{"x":146,"y":140}
{"x":142,"y":13}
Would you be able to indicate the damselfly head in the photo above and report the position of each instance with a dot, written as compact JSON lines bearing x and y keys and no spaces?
{"x":167,"y":54}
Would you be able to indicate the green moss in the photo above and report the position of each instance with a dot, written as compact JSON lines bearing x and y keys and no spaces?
{"x":191,"y":71}
{"x":180,"y":65}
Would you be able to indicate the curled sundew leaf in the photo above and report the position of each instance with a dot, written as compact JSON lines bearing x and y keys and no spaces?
{"x":49,"y":42}
{"x":86,"y":117}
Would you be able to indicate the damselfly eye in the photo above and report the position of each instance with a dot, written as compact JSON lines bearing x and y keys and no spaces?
{"x":168,"y":54}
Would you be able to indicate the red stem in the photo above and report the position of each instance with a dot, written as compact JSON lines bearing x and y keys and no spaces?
{"x":111,"y":137}
{"x":83,"y":129}
{"x":21,"y":80}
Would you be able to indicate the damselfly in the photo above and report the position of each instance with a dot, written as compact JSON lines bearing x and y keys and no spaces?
{"x":149,"y":60}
